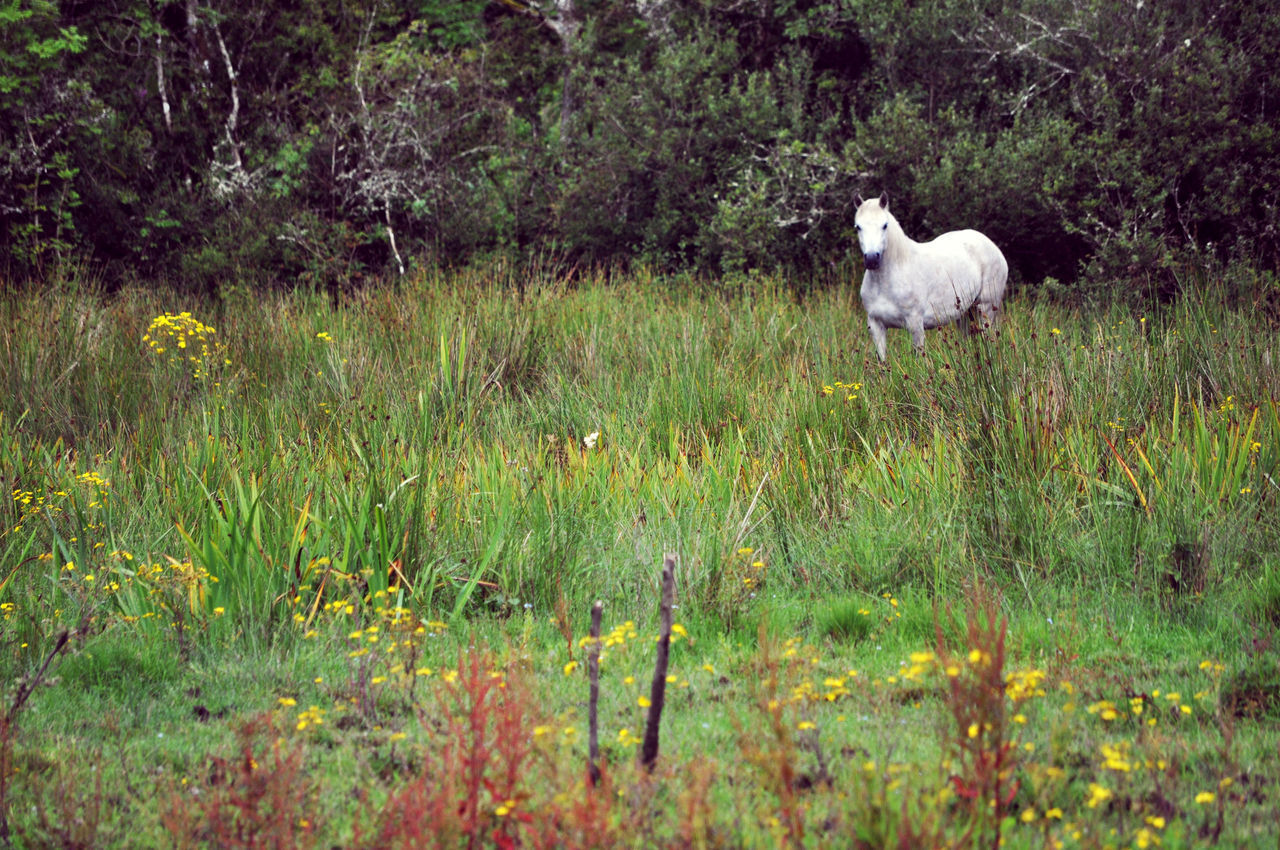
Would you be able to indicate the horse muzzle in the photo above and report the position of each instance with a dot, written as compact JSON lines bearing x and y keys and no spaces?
{"x":872,"y":261}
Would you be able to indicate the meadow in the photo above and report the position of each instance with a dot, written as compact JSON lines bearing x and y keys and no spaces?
{"x":291,"y":570}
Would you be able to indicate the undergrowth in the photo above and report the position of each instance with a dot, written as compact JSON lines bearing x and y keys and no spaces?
{"x":1016,"y":590}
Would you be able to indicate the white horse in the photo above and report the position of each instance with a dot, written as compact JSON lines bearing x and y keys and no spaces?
{"x":918,"y":285}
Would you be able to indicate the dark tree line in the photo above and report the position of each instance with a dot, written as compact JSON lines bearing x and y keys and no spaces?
{"x":325,"y":141}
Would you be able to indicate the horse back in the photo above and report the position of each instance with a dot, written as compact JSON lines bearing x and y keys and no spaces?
{"x":976,"y":253}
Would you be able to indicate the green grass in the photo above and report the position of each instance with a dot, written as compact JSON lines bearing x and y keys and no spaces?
{"x":467,"y":468}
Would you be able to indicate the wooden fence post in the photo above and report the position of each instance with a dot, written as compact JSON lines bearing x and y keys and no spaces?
{"x":593,"y":674}
{"x":658,"y":688}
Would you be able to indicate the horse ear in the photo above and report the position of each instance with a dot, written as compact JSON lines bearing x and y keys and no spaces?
{"x":857,"y":199}
{"x":884,"y":200}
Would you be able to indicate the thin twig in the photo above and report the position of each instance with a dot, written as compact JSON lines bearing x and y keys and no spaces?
{"x":30,"y":683}
{"x":8,"y":725}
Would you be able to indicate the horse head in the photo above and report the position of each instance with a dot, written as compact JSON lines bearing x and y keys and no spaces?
{"x":872,"y":223}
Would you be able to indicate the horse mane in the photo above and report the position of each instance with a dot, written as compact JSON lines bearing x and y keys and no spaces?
{"x":898,"y":243}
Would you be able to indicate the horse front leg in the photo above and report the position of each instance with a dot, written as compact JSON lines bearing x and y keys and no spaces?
{"x":915,"y":326}
{"x":877,"y":336}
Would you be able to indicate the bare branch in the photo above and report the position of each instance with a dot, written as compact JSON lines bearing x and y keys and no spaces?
{"x":235,"y":178}
{"x":161,"y":88}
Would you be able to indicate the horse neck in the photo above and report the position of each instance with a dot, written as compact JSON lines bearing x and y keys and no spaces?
{"x":899,"y":245}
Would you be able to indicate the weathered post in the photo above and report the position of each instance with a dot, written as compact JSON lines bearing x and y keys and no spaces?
{"x":593,"y":675}
{"x":658,"y":688}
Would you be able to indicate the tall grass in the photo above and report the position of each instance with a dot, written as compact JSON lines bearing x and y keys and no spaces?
{"x":466,"y":445}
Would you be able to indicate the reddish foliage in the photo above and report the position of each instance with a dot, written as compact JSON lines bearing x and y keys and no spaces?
{"x":986,"y":756}
{"x":471,"y":787}
{"x":260,"y":799}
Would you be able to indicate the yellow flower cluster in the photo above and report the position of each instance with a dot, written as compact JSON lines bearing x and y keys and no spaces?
{"x":311,"y":716}
{"x":185,"y":339}
{"x":93,"y":478}
{"x":1097,"y":795}
{"x":849,"y":391}
{"x":32,"y":503}
{"x":1117,"y":757}
{"x":617,"y":636}
{"x":921,"y":663}
{"x":1105,"y":709}
{"x":96,"y":481}
{"x":1022,"y":685}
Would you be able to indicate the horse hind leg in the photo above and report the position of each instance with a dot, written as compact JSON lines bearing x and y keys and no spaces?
{"x":990,"y":314}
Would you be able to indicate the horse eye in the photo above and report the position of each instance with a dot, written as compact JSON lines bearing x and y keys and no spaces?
{"x":884,"y":226}
{"x":857,"y":227}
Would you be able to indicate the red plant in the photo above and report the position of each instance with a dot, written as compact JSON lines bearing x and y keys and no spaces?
{"x":767,"y":741}
{"x":985,"y":755}
{"x":471,"y":789}
{"x":262,"y":798}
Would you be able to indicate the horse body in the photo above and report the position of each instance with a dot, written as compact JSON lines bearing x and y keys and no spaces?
{"x":920,"y":285}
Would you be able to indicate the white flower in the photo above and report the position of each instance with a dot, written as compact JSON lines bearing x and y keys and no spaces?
{"x":590,"y":440}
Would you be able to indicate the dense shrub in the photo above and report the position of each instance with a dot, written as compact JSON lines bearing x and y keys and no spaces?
{"x":1092,"y":140}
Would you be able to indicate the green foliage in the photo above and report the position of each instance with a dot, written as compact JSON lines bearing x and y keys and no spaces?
{"x":850,"y":620}
{"x":339,"y":142}
{"x":1265,"y":606}
{"x":116,"y":670}
{"x":323,"y":564}
{"x":741,"y":432}
{"x":46,"y":117}
{"x":449,"y":24}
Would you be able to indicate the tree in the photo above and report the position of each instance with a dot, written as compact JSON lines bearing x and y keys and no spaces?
{"x":326,"y":140}
{"x":47,"y":115}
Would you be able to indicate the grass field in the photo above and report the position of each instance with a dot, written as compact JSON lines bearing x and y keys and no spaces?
{"x":277,"y":571}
